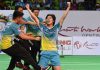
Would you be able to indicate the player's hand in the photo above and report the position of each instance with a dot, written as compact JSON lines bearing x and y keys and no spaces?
{"x":69,"y":4}
{"x":27,"y":6}
{"x":37,"y":38}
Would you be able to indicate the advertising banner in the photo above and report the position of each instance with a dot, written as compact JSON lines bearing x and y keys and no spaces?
{"x":65,"y":45}
{"x":79,"y":34}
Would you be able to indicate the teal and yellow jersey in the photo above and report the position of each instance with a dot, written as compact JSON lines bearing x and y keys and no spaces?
{"x":35,"y":30}
{"x":49,"y":37}
{"x":10,"y":29}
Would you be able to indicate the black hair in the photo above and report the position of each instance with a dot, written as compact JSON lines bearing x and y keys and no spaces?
{"x":17,"y":14}
{"x":17,"y":7}
{"x":53,"y":16}
{"x":35,"y":8}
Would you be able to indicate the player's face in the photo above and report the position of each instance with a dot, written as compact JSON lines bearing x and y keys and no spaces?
{"x":36,"y":12}
{"x":50,"y":19}
{"x":20,"y":10}
{"x":20,"y":20}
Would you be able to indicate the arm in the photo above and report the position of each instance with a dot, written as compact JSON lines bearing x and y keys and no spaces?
{"x":25,"y":36}
{"x":65,"y":14}
{"x":28,"y":22}
{"x":32,"y":14}
{"x":22,"y":34}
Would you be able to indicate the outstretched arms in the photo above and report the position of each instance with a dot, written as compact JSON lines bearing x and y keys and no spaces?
{"x":65,"y":13}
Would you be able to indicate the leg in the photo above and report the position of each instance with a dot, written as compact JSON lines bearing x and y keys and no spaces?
{"x":38,"y":49}
{"x":23,"y":54}
{"x":55,"y":63}
{"x":18,"y":62}
{"x":57,"y":68}
{"x":34,"y":54}
{"x":27,"y":47}
{"x":12,"y":63}
{"x":44,"y":60}
{"x":13,"y":60}
{"x":24,"y":44}
{"x":34,"y":50}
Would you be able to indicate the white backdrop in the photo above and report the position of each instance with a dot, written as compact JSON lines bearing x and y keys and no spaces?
{"x":79,"y":34}
{"x":86,"y":45}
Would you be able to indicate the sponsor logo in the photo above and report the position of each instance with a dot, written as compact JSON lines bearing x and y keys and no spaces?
{"x":86,"y":44}
{"x":80,"y":31}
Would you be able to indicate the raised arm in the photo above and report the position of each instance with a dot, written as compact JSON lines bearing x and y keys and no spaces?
{"x":65,"y":13}
{"x":32,"y":14}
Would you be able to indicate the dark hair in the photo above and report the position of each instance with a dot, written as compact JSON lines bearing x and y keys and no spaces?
{"x":53,"y":16}
{"x":17,"y":14}
{"x":17,"y":7}
{"x":35,"y":8}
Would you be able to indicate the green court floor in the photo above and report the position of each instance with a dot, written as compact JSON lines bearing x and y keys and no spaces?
{"x":67,"y":62}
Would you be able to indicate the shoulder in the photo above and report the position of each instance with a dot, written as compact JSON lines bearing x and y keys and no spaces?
{"x":15,"y":25}
{"x":40,"y":19}
{"x":57,"y":25}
